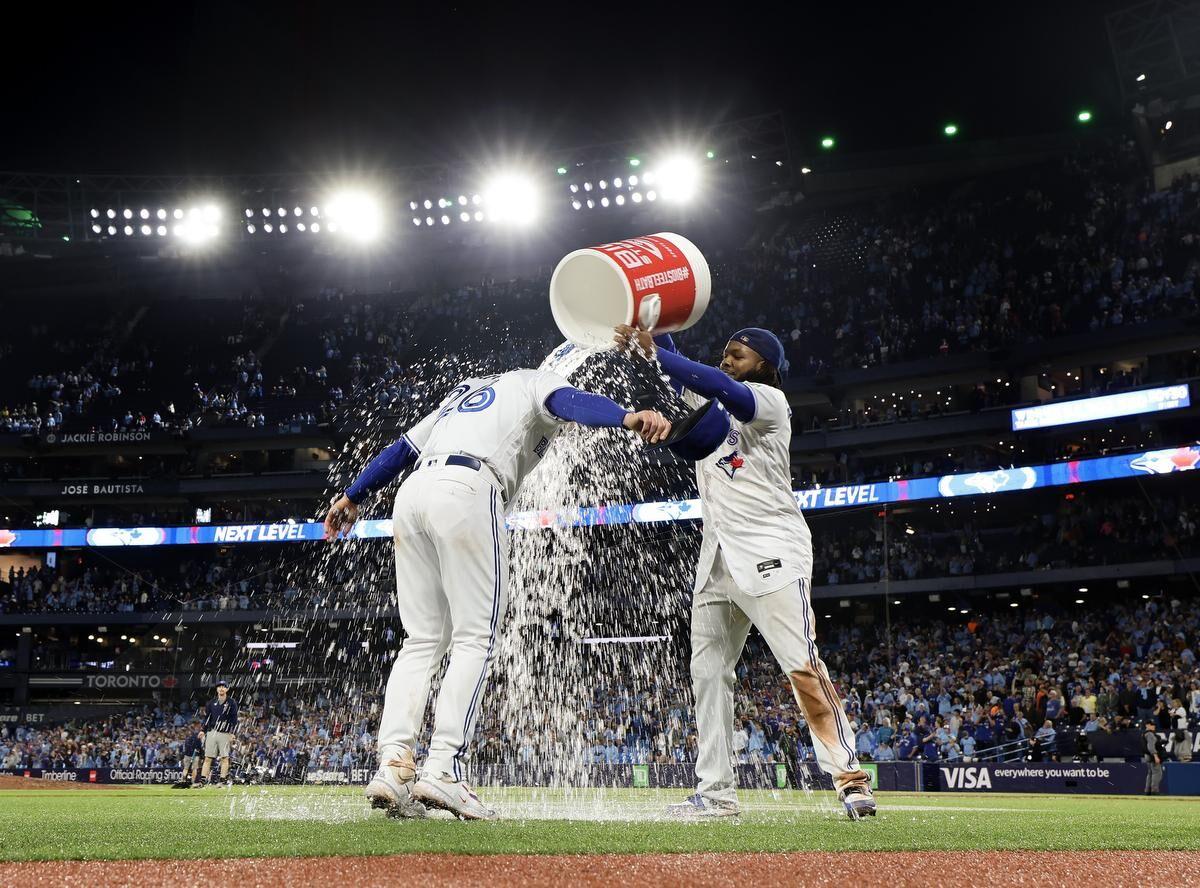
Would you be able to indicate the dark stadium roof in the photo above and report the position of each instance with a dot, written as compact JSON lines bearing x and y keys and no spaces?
{"x":234,"y":87}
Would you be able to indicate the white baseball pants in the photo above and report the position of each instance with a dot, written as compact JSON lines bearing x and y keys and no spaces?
{"x":451,"y":593}
{"x":721,"y":618}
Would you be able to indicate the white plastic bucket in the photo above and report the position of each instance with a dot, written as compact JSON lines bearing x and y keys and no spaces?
{"x":660,"y":282}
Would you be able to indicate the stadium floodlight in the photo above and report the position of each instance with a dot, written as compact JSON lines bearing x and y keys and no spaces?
{"x":1168,"y":124}
{"x":144,"y":213}
{"x":805,"y":170}
{"x":479,"y":215}
{"x":710,"y":154}
{"x":128,"y":214}
{"x":95,"y":213}
{"x":637,"y":197}
{"x":315,"y":227}
{"x":201,"y":225}
{"x":464,"y":216}
{"x":679,"y":178}
{"x":462,"y":200}
{"x":617,"y":182}
{"x":282,"y":228}
{"x":417,"y":221}
{"x":145,"y":229}
{"x":634,"y":162}
{"x":632,"y":180}
{"x":562,"y":171}
{"x":604,"y":201}
{"x":828,"y":142}
{"x":576,"y":205}
{"x":651,"y":195}
{"x":112,"y":229}
{"x":161,"y":231}
{"x":950,"y":129}
{"x":445,"y":220}
{"x":591,"y":204}
{"x":356,"y":214}
{"x":128,"y":229}
{"x":512,"y":198}
{"x":603,"y":184}
{"x":1084,"y":116}
{"x":112,"y":214}
{"x":429,"y":220}
{"x":1141,"y":78}
{"x":428,"y":204}
{"x":300,"y":226}
{"x":620,"y":200}
{"x":250,"y":229}
{"x":587,"y":186}
{"x":96,"y":229}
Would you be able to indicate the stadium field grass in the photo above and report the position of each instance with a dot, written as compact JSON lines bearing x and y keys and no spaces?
{"x":145,"y":822}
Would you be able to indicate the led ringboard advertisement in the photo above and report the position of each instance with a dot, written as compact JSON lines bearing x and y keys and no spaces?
{"x":997,"y":481}
{"x":1056,"y":413}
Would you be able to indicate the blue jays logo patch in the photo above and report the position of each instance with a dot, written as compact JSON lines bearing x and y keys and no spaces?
{"x":731,"y":463}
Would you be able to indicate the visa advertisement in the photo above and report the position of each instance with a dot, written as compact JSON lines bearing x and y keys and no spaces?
{"x":995,"y":481}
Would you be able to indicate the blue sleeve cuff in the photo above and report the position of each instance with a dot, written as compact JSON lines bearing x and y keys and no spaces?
{"x":585,"y":408}
{"x":382,"y":470}
{"x":665,"y":342}
{"x":737,"y":397}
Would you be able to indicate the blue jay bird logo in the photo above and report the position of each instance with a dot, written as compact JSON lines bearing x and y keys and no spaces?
{"x":731,"y":463}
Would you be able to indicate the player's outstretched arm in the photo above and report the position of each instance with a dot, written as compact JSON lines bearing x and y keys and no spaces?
{"x":706,"y":381}
{"x":382,"y":470}
{"x":597,"y":411}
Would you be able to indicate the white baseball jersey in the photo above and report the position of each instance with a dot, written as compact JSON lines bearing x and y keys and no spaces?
{"x":749,"y":508}
{"x":500,"y":420}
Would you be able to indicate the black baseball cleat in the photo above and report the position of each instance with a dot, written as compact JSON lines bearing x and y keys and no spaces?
{"x":858,"y":801}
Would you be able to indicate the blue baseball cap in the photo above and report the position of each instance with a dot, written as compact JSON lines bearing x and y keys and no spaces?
{"x":766,"y":344}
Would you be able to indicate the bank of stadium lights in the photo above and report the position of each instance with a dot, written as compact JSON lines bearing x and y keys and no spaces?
{"x":356,"y":215}
{"x":197,"y":224}
{"x":512,"y":199}
{"x":678,"y":178}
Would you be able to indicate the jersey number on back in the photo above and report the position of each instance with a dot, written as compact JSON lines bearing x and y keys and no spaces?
{"x":480,"y":399}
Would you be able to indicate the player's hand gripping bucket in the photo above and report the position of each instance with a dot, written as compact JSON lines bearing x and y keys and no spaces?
{"x":659,"y":282}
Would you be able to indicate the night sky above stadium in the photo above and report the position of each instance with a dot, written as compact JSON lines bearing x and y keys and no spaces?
{"x":241,"y":87}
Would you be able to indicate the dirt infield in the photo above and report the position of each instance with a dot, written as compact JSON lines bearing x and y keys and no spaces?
{"x":988,"y":868}
{"x":9,"y":782}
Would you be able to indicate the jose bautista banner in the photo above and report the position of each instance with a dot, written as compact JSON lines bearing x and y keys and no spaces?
{"x":996,"y":481}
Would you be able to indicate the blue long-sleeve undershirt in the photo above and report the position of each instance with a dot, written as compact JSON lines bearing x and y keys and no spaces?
{"x":710,"y":382}
{"x":585,"y":408}
{"x":382,"y":470}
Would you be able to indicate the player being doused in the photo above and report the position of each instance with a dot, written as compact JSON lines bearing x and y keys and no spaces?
{"x":469,"y":458}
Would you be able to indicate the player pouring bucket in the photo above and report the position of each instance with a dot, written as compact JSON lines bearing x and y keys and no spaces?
{"x":658,"y":282}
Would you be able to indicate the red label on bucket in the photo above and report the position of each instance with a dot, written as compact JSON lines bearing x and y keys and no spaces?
{"x":654,"y":265}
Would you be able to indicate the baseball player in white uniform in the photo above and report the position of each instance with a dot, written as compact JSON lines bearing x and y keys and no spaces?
{"x":755,"y":568}
{"x":469,"y":457}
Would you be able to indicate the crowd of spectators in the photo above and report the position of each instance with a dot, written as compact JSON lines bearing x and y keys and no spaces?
{"x":1060,"y":533}
{"x":1009,"y":683}
{"x":1071,"y":246}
